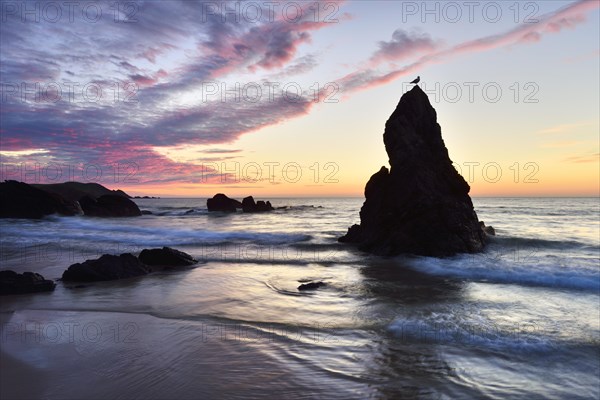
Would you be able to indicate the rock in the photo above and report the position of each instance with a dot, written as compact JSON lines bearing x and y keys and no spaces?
{"x":220,"y":202}
{"x":489,"y":230}
{"x":106,"y":268}
{"x":27,"y":282}
{"x":73,"y":191}
{"x":146,"y":212}
{"x":166,"y":257}
{"x":109,"y":205}
{"x":311,"y":285}
{"x":249,"y":206}
{"x":421,"y":205}
{"x":20,"y":200}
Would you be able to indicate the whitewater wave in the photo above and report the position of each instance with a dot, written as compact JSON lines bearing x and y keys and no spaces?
{"x":530,"y":270}
{"x":535,"y":243}
{"x":73,"y":228}
{"x":185,"y":212}
{"x":473,"y":333}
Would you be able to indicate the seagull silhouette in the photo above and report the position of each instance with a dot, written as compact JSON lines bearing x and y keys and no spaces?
{"x":417,"y":80}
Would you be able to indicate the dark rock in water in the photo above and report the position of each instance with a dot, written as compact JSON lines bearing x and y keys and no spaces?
{"x":489,"y":230}
{"x":146,"y":212}
{"x":220,"y":202}
{"x":311,"y":285}
{"x":109,"y":205}
{"x":106,"y":268}
{"x":20,"y":200}
{"x":27,"y":282}
{"x":166,"y":257}
{"x":422,"y":205}
{"x":249,"y":206}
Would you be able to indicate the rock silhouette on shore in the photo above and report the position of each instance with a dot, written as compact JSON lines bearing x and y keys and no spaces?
{"x":27,"y":282}
{"x":421,"y":205}
{"x":22,"y":200}
{"x":73,"y":191}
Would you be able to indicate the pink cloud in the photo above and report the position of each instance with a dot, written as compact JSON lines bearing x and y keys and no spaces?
{"x":566,"y":17}
{"x":268,"y":46}
{"x":403,"y":44}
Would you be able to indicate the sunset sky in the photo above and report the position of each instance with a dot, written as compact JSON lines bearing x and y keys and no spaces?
{"x":291,"y":98}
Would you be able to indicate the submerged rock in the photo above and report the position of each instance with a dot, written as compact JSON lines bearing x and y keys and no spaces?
{"x":109,"y":205}
{"x":27,"y":282}
{"x":166,"y":257}
{"x":422,"y":204}
{"x":311,"y":285}
{"x":220,"y":202}
{"x":249,"y":206}
{"x":106,"y":268}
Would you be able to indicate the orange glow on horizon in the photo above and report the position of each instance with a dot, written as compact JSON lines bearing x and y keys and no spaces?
{"x":573,"y":187}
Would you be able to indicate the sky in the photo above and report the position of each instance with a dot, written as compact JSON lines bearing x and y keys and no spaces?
{"x":278,"y":98}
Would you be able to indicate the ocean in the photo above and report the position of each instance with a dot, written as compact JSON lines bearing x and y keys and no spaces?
{"x":519,"y":321}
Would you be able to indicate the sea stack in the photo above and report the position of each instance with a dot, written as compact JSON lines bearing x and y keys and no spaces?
{"x":421,"y":205}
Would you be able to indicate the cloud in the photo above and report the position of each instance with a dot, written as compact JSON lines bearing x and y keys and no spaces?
{"x":581,"y":159}
{"x":302,"y":65}
{"x":583,"y":57}
{"x":220,"y":151}
{"x":563,"y":128}
{"x":403,"y":45}
{"x":169,"y":54}
{"x":562,"y":143}
{"x":143,"y":80}
{"x":151,"y":53}
{"x":567,"y":17}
